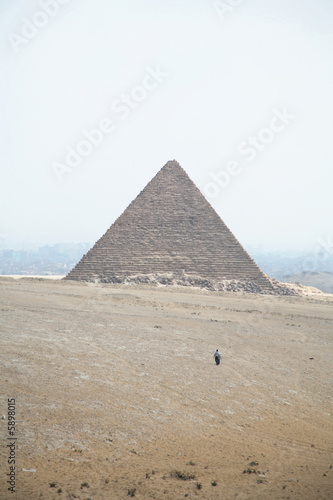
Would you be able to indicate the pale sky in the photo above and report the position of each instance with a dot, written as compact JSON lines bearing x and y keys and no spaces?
{"x":238,"y":92}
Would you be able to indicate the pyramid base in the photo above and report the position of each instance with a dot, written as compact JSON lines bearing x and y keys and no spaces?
{"x":265,"y":286}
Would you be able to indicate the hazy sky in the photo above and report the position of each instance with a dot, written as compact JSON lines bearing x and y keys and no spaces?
{"x":97,"y":95}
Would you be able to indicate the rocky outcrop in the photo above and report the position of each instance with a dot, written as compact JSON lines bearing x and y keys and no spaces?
{"x":176,"y":279}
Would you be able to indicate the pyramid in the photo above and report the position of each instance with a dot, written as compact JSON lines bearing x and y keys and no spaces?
{"x":169,"y":227}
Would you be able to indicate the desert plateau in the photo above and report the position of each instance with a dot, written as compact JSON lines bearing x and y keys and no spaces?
{"x":117,"y":394}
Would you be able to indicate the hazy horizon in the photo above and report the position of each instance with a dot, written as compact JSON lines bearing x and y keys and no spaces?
{"x":96,"y":98}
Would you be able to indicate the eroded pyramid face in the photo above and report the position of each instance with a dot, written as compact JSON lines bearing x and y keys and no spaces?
{"x":169,"y":227}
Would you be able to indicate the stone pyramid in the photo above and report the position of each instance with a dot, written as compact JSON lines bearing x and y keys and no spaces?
{"x":169,"y":227}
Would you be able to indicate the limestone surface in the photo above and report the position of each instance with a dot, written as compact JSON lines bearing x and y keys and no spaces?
{"x":169,"y":228}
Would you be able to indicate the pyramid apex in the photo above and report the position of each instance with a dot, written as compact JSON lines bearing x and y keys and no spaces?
{"x":172,"y":163}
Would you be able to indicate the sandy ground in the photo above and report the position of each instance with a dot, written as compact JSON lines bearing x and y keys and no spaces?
{"x":116,"y":388}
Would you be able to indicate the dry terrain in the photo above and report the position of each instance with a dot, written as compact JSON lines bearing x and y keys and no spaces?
{"x":322,"y":280}
{"x":117,"y":394}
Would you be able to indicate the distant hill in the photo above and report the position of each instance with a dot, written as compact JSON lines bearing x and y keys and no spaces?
{"x":322,"y":280}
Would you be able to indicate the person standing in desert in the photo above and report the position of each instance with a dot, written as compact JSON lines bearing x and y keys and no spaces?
{"x":217,"y":357}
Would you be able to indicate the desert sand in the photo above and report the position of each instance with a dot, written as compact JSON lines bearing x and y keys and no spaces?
{"x":117,"y":394}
